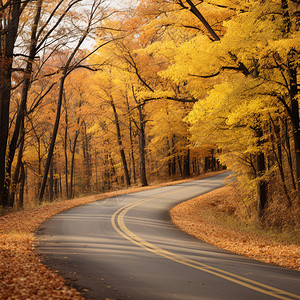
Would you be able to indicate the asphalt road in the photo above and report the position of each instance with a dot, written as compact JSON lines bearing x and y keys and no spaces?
{"x":126,"y":248}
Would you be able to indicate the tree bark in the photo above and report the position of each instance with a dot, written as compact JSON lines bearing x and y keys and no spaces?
{"x":87,"y":158}
{"x":288,"y":151}
{"x":295,"y":118}
{"x":142,"y":142}
{"x":22,"y":186}
{"x":7,"y":44}
{"x":142,"y":145}
{"x":131,"y":141}
{"x":120,"y":143}
{"x":132,"y":152}
{"x":73,"y":165}
{"x":179,"y":161}
{"x":24,"y":96}
{"x":51,"y":185}
{"x":53,"y":138}
{"x":197,"y":13}
{"x":293,"y":110}
{"x":66,"y":153}
{"x":16,"y":176}
{"x":277,"y":152}
{"x":261,"y":186}
{"x":186,"y":165}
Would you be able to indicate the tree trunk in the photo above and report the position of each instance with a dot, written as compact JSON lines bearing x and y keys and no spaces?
{"x":171,"y":158}
{"x":179,"y":160}
{"x":16,"y":176}
{"x":120,"y":143}
{"x":292,"y":64}
{"x":186,"y":165}
{"x":7,"y":44}
{"x":60,"y":186}
{"x":67,"y":69}
{"x":288,"y":152}
{"x":213,"y":161}
{"x":56,"y":185}
{"x":142,"y":141}
{"x":113,"y":172}
{"x":66,"y":154}
{"x":206,"y":164}
{"x":87,"y":158}
{"x":277,"y":152}
{"x":132,"y":152}
{"x":297,"y":154}
{"x":73,"y":165}
{"x":295,"y":115}
{"x":261,"y":186}
{"x":22,"y":186}
{"x":53,"y":139}
{"x":172,"y":166}
{"x":24,"y":95}
{"x":96,"y":171}
{"x":5,"y":89}
{"x":131,"y":140}
{"x":261,"y":194}
{"x":142,"y":145}
{"x":51,"y":185}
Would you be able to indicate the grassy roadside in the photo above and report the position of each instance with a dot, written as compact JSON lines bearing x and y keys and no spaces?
{"x":209,"y":218}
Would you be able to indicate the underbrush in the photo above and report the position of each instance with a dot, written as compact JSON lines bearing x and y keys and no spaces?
{"x":281,"y":223}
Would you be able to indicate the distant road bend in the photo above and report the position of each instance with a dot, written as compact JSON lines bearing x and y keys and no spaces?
{"x":126,"y":247}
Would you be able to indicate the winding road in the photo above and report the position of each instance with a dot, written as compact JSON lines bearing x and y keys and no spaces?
{"x":127,"y":248}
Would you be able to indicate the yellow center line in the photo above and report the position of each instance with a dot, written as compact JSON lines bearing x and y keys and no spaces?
{"x":118,"y":224}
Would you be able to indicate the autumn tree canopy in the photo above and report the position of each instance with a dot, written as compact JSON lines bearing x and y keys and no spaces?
{"x":95,"y":97}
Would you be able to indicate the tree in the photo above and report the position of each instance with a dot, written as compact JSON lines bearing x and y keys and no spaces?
{"x":225,"y":64}
{"x":10,"y":13}
{"x":96,"y":14}
{"x":169,"y":143}
{"x":37,"y":37}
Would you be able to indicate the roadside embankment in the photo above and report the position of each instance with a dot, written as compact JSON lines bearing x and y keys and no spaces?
{"x":205,"y":218}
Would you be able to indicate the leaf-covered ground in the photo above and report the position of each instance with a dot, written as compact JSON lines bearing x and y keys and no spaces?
{"x":23,"y":276}
{"x":189,"y":217}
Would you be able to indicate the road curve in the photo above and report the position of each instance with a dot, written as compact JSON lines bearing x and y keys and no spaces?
{"x":126,"y":248}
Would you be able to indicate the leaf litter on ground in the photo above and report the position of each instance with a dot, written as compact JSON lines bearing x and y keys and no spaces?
{"x":24,"y":276}
{"x":191,"y":217}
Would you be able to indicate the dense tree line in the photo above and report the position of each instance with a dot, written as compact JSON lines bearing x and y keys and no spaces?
{"x":166,"y":89}
{"x":41,"y":45}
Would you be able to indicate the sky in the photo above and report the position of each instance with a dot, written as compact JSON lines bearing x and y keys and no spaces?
{"x":122,"y":4}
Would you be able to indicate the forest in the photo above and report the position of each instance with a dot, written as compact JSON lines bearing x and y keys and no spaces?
{"x":96,"y":96}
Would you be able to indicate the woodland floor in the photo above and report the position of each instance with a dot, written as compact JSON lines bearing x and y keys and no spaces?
{"x":23,"y":276}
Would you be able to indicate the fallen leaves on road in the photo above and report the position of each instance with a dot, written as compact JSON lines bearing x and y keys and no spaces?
{"x":188,"y":217}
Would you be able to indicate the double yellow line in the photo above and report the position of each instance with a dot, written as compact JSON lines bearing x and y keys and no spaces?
{"x":118,"y":224}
